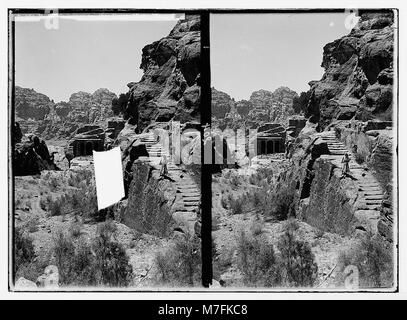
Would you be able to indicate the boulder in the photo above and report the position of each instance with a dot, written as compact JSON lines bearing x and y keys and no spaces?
{"x":50,"y":278}
{"x":24,"y":284}
{"x":31,"y":156}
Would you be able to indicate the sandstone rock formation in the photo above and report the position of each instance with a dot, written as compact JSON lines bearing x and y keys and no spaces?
{"x":30,"y":104}
{"x":222,"y":103}
{"x":31,"y":156}
{"x":40,"y":116}
{"x":169,"y":88}
{"x":262,"y":107}
{"x":358,"y":74}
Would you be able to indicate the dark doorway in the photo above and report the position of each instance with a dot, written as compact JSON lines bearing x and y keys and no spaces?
{"x":89,"y":148}
{"x":269,"y":146}
{"x":263,"y":147}
{"x":277,"y":147}
{"x":81,"y":148}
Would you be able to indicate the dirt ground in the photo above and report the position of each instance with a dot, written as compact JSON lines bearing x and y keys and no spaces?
{"x":324,"y":245}
{"x":43,"y":228}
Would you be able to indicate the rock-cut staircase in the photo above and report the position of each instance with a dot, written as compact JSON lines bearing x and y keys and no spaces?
{"x":370,"y":193}
{"x":188,"y":195}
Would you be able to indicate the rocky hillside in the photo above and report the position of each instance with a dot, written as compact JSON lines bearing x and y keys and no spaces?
{"x":358,"y":74}
{"x":30,"y":104}
{"x":169,"y":88}
{"x":222,"y":103}
{"x":39,"y":115}
{"x":263,"y":106}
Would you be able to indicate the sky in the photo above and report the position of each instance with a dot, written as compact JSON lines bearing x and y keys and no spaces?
{"x":82,"y":55}
{"x":250,"y":52}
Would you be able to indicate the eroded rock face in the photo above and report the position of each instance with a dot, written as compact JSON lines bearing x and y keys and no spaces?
{"x":358,"y":74}
{"x":222,"y":103}
{"x":31,"y":156}
{"x":262,"y":107}
{"x":148,"y":208}
{"x":169,"y":88}
{"x":40,"y":116}
{"x":30,"y":104}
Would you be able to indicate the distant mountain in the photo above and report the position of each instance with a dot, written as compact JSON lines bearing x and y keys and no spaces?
{"x":37,"y":114}
{"x":263,"y":106}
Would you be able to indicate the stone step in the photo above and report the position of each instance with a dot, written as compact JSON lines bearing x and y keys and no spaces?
{"x":190,"y":199}
{"x":369,"y":207}
{"x":337,"y":147}
{"x":372,"y":190}
{"x":373,"y":203}
{"x":191,"y":203}
{"x":374,"y":197}
{"x":187,"y":215}
{"x":185,"y":184}
{"x":188,"y":191}
{"x":371,"y":193}
{"x":369,"y":187}
{"x":187,"y":208}
{"x":191,"y":194}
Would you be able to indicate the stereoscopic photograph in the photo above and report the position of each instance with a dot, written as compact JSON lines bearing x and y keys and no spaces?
{"x":105,"y":140}
{"x":304,"y":196}
{"x":220,"y":150}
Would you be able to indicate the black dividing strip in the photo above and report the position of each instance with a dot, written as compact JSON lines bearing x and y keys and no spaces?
{"x":206,"y":178}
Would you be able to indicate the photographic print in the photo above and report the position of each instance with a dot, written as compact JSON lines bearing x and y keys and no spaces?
{"x":105,"y":117}
{"x":304,"y":109}
{"x":225,"y":150}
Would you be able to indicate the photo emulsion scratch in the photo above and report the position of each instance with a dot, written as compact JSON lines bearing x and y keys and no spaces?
{"x":198,"y":151}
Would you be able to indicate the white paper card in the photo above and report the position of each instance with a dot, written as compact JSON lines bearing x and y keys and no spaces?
{"x":108,"y":176}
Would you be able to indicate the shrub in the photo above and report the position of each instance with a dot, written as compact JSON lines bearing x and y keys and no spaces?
{"x":180,"y":265}
{"x":373,"y":260}
{"x":111,"y":263}
{"x":102,"y":262}
{"x":280,"y":204}
{"x":23,"y":250}
{"x":78,"y":201}
{"x":359,"y":158}
{"x":64,"y":251}
{"x":297,"y":260}
{"x":44,"y":202}
{"x":75,"y":229}
{"x":55,"y":207}
{"x":235,"y":181}
{"x":256,"y":228}
{"x":224,"y":202}
{"x":53,"y":183}
{"x":32,"y":225}
{"x":257,"y":261}
{"x":236,"y":205}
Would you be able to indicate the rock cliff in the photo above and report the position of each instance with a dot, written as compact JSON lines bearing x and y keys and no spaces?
{"x":169,"y":88}
{"x":30,"y":104}
{"x":358,"y":78}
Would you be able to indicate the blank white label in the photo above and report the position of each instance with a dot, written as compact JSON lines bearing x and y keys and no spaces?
{"x":108,"y":176}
